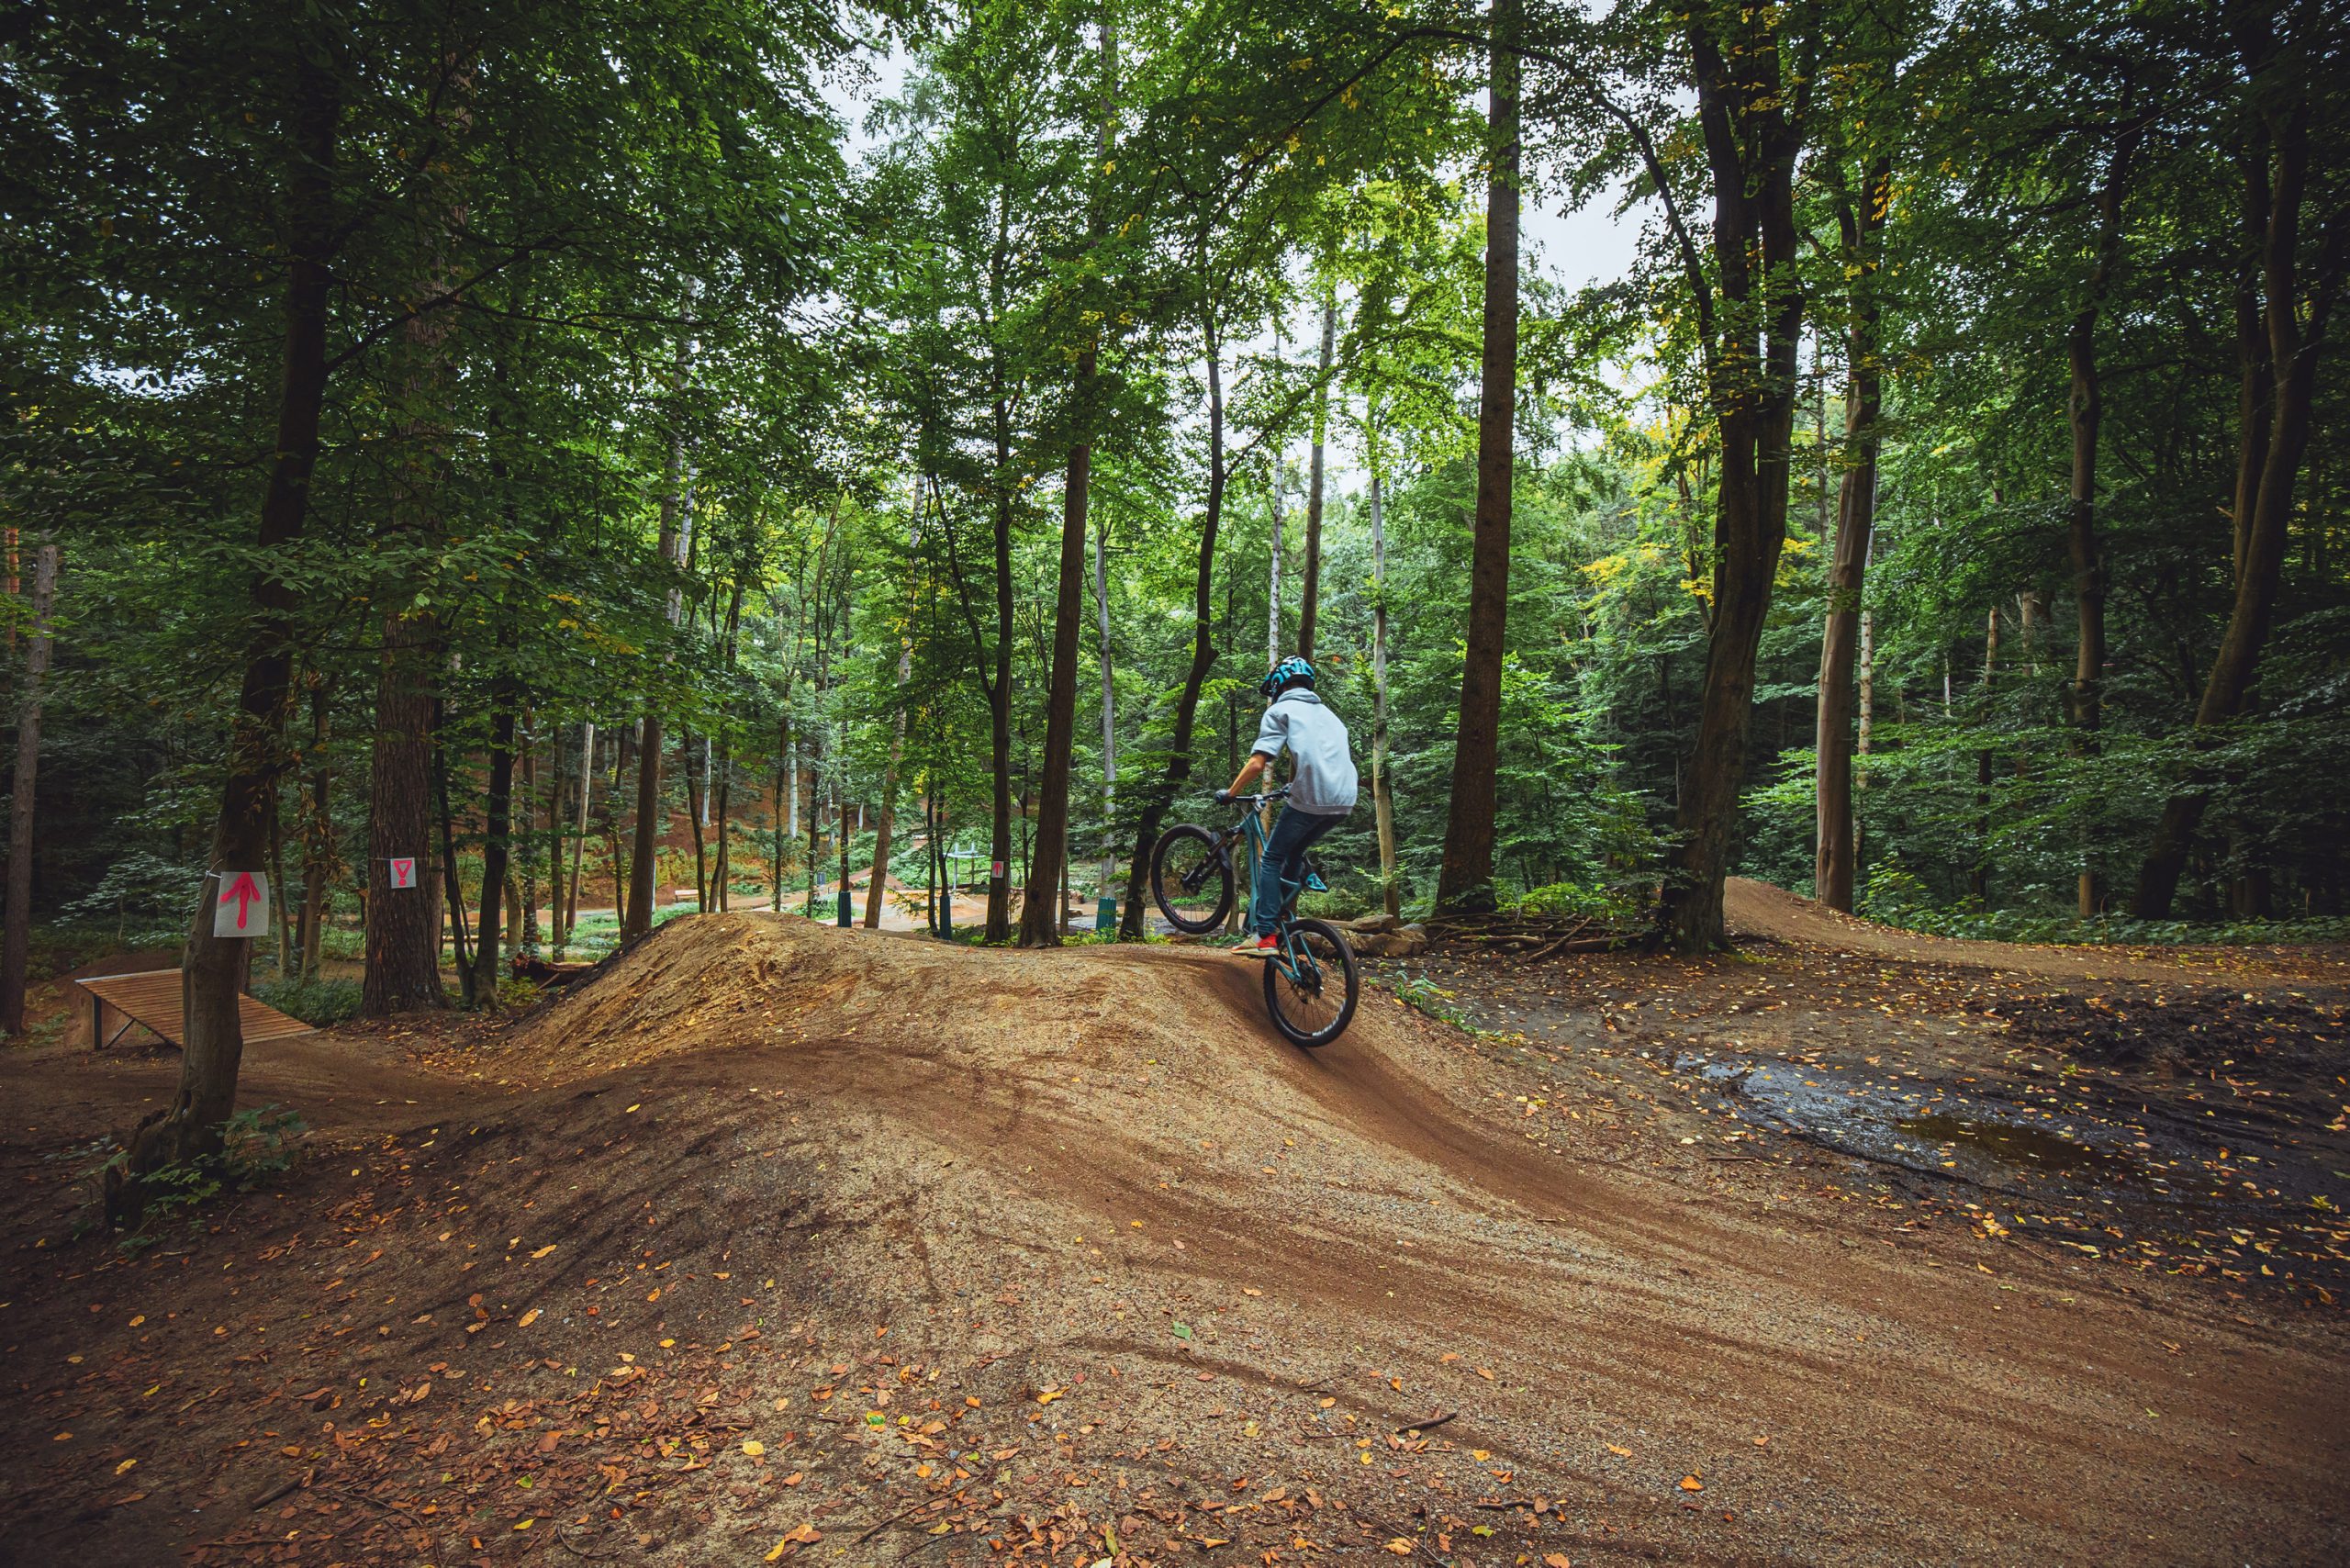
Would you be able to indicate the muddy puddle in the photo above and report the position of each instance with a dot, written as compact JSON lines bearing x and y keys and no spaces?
{"x":1930,"y":1127}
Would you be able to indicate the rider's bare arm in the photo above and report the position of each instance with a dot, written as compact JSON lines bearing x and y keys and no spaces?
{"x":1250,"y":770}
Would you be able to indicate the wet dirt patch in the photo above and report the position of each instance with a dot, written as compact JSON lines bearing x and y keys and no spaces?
{"x":2190,"y":1032}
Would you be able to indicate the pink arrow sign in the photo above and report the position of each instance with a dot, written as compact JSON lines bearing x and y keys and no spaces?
{"x":243,"y":908}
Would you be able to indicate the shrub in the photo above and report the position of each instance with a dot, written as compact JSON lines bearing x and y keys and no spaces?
{"x":318,"y":1001}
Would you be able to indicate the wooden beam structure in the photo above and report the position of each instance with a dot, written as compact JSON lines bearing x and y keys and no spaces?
{"x":154,"y":999}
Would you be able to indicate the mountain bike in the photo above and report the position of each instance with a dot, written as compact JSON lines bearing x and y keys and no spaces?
{"x":1311,"y":981}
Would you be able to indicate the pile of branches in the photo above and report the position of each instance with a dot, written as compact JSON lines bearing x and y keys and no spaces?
{"x":1530,"y":938}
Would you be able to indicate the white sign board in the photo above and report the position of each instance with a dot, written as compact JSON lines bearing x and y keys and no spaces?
{"x":240,"y":904}
{"x":403,"y":871}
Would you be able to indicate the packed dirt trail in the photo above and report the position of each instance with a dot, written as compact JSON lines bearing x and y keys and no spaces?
{"x":775,"y":1241}
{"x":1757,"y":908}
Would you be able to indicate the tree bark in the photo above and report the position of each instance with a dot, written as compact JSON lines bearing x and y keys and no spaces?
{"x":1834,"y":864}
{"x":15,"y":950}
{"x":1187,"y":707}
{"x":214,"y":969}
{"x":1382,"y":801}
{"x":452,"y":882}
{"x":998,"y":918}
{"x":1310,"y":584}
{"x":676,"y":522}
{"x":1039,"y":922}
{"x":497,"y":822}
{"x":580,"y":840}
{"x":2294,"y":335}
{"x":1109,"y":710}
{"x":1466,"y":880}
{"x":1751,"y":139}
{"x":317,"y":831}
{"x":2085,"y":412}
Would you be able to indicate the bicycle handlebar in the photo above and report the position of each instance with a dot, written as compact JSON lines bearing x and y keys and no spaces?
{"x":1260,"y":798}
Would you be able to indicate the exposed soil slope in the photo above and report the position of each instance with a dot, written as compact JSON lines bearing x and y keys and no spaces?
{"x":986,"y":1253}
{"x":1757,"y":908}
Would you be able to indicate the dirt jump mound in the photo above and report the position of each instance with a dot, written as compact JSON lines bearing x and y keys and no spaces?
{"x":779,"y":1242}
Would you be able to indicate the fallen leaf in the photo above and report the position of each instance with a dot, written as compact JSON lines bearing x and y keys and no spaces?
{"x":527,"y":1318}
{"x":754,"y":1448}
{"x":545,"y":1251}
{"x":805,"y":1534}
{"x":1691,"y":1483}
{"x":1556,"y":1560}
{"x":1619,"y":1453}
{"x":1400,"y":1547}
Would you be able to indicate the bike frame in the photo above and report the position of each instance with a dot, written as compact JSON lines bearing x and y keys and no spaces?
{"x":1295,"y":960}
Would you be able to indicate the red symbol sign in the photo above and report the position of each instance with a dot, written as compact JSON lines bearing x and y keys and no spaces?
{"x":242,"y":907}
{"x":244,"y":892}
{"x":403,"y":871}
{"x":996,"y":866}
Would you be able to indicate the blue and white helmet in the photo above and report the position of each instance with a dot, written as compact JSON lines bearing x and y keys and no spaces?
{"x":1281,"y":675}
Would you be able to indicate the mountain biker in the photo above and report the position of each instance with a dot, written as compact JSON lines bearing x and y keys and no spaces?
{"x":1320,"y":797}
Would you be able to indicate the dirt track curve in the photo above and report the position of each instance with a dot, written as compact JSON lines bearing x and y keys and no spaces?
{"x":1758,"y":909}
{"x":1190,"y":1274}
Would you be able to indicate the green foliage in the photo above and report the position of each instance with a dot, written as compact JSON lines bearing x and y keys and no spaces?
{"x":257,"y":1143}
{"x":318,"y":1000}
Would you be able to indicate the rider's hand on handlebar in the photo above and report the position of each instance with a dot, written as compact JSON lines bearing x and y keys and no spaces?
{"x":1223,"y":797}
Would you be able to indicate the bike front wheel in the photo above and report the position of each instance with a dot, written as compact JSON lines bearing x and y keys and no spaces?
{"x":1190,"y":879}
{"x":1311,"y":989}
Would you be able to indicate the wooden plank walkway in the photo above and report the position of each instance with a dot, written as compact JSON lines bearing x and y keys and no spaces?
{"x":154,"y":999}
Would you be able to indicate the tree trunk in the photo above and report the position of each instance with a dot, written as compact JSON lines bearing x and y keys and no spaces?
{"x":999,"y":921}
{"x":1310,"y":585}
{"x":674,"y":540}
{"x":528,"y":934}
{"x":1466,"y":880}
{"x":1381,"y":786}
{"x":2084,"y":411}
{"x":1834,"y":863}
{"x":1979,"y":881}
{"x":2294,"y":335}
{"x":1187,"y":707}
{"x":452,"y":877}
{"x":1039,"y":921}
{"x":882,"y":824}
{"x":697,"y":812}
{"x":15,"y":950}
{"x":1751,"y":149}
{"x":580,"y":840}
{"x":403,"y":968}
{"x":318,"y":832}
{"x":214,"y":970}
{"x":497,"y":831}
{"x":1273,"y":559}
{"x":1109,"y":711}
{"x":277,"y":877}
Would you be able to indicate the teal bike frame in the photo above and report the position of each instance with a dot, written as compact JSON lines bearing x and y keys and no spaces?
{"x":1295,"y":960}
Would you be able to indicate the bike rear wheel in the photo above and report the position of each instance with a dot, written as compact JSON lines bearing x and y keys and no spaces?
{"x":1190,"y":879}
{"x":1313,"y":1006}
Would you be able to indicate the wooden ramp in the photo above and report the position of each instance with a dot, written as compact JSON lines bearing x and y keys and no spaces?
{"x":154,"y":999}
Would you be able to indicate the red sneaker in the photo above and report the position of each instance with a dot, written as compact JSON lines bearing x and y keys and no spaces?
{"x":1262,"y":947}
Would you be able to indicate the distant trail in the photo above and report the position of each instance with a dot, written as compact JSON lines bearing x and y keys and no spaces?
{"x":1758,"y":909}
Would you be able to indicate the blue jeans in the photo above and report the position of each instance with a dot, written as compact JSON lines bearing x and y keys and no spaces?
{"x":1284,"y":859}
